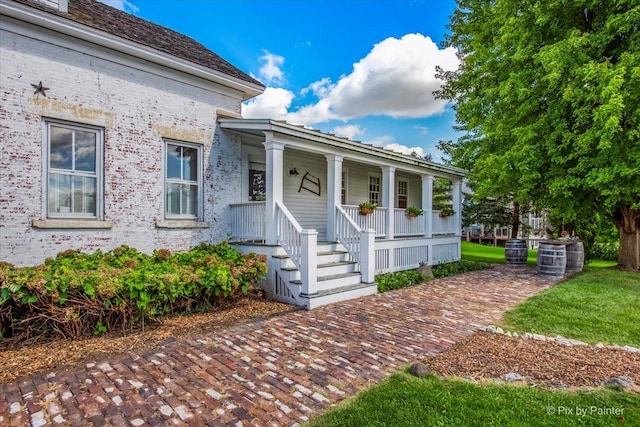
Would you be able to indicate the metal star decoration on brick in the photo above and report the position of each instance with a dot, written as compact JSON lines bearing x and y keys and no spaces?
{"x":40,"y":89}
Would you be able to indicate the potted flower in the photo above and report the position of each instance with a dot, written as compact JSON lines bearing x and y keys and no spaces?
{"x":413,"y":212}
{"x":447,"y":211}
{"x":367,"y":207}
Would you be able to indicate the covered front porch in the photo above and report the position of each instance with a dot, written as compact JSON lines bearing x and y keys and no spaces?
{"x":302,"y":187}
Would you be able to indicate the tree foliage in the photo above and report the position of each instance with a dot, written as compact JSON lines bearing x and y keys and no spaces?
{"x":549,"y":96}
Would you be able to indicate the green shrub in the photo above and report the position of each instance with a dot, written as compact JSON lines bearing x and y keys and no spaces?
{"x":390,"y":281}
{"x":605,"y":251}
{"x":458,"y":267}
{"x":79,"y":294}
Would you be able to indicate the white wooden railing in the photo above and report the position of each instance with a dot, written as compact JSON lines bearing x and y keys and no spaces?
{"x":408,"y":226}
{"x":376,"y":220}
{"x":301,"y":246}
{"x":446,"y":225}
{"x":247,"y":221}
{"x":359,"y":242}
{"x":289,"y":234}
{"x":348,"y":233}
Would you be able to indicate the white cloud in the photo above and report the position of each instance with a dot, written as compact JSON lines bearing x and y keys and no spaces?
{"x":272,"y":104}
{"x":381,"y":141}
{"x":422,"y":129}
{"x":270,"y":72}
{"x":348,"y":131}
{"x":396,"y":79}
{"x":321,"y":88}
{"x":124,"y":5}
{"x":399,"y":148}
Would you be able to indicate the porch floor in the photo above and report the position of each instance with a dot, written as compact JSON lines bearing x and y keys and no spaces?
{"x":283,"y":369}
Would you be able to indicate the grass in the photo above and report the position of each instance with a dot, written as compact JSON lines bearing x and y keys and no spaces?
{"x":495,"y":255}
{"x":404,"y":400}
{"x":599,"y":305}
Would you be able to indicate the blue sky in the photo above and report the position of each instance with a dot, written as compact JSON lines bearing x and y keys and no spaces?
{"x":357,"y":68}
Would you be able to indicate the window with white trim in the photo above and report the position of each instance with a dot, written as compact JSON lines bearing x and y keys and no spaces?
{"x":183,"y":180}
{"x":343,"y":187}
{"x":74,"y":171}
{"x":403,"y":194}
{"x":374,"y":189}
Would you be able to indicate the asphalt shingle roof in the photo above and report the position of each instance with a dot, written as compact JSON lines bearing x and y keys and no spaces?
{"x":121,"y":24}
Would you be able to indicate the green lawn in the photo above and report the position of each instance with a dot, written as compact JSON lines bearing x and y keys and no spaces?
{"x":598,"y":305}
{"x":495,"y":255}
{"x":403,"y":400}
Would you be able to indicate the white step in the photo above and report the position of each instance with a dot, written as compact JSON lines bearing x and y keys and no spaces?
{"x":342,"y":293}
{"x":340,"y":267}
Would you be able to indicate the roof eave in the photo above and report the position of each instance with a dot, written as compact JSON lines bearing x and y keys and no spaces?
{"x":101,"y":38}
{"x":269,"y":125}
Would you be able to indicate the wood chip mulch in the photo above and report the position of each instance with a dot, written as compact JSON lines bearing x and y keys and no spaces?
{"x":19,"y":359}
{"x":490,"y":356}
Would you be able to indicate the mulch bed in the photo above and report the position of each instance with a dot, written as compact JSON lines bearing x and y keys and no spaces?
{"x":19,"y":359}
{"x":490,"y":356}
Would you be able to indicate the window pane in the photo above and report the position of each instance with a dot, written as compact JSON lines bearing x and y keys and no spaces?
{"x":173,"y":199}
{"x":257,"y":185}
{"x":173,"y":161}
{"x":189,"y":199}
{"x":61,"y":148}
{"x":189,"y":164}
{"x":59,"y":193}
{"x":85,"y":151}
{"x":84,"y":195}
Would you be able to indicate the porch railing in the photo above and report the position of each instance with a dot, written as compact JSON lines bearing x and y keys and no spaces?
{"x":348,"y":233}
{"x":359,"y":243}
{"x":247,"y":221}
{"x":301,"y":246}
{"x":376,"y":221}
{"x":407,"y":226}
{"x":446,"y":225}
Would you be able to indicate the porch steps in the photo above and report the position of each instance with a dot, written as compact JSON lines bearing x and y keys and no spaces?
{"x":338,"y":277}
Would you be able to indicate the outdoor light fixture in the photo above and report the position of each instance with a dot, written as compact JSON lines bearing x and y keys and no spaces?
{"x":293,"y":172}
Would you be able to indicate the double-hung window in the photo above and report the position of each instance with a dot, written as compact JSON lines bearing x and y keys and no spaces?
{"x":375,"y":184}
{"x":183,"y":180}
{"x":74,"y":184}
{"x":403,"y":194}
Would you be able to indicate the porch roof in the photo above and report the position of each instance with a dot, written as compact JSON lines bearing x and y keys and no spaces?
{"x":326,"y":143}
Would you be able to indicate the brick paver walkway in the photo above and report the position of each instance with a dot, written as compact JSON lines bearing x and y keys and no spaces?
{"x":278,"y":371}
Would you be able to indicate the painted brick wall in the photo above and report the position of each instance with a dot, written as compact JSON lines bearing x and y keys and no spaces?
{"x":137,"y":107}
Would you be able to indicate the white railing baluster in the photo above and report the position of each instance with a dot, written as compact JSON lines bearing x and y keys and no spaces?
{"x":247,"y":221}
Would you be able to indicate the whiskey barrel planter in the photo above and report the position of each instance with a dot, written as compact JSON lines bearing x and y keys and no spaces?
{"x":515,"y":253}
{"x":575,"y":257}
{"x":552,"y":260}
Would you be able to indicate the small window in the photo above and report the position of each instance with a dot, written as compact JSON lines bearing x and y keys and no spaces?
{"x":403,"y":194}
{"x":257,"y":181}
{"x":374,"y":189}
{"x":74,"y":187}
{"x":183,"y":180}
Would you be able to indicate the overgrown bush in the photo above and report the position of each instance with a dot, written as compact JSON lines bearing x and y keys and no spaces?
{"x":78,"y":294}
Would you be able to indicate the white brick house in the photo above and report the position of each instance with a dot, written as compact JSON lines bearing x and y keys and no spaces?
{"x":138,"y":140}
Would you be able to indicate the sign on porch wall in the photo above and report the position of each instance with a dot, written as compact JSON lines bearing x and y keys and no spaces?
{"x":311,"y":184}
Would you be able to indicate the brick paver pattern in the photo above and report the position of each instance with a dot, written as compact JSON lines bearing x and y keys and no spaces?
{"x":277,"y":371}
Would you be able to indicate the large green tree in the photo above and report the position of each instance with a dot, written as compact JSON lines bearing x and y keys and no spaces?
{"x":548,"y":93}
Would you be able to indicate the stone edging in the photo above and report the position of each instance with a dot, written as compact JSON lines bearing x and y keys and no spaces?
{"x":492,"y":329}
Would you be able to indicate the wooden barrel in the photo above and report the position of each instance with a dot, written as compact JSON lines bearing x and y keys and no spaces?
{"x":575,"y":257}
{"x":552,"y":260}
{"x":515,"y":252}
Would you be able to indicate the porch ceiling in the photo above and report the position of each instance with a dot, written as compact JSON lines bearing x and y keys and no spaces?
{"x":312,"y":140}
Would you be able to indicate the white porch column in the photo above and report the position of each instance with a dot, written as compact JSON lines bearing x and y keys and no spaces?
{"x":456,"y":195}
{"x":334,"y":192}
{"x":274,"y":185}
{"x":427,"y":202}
{"x":388,"y":193}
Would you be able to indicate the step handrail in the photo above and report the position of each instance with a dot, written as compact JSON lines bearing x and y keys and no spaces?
{"x":348,"y":233}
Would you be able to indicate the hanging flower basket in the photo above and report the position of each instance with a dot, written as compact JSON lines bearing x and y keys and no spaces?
{"x":413,"y":212}
{"x":367,"y":208}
